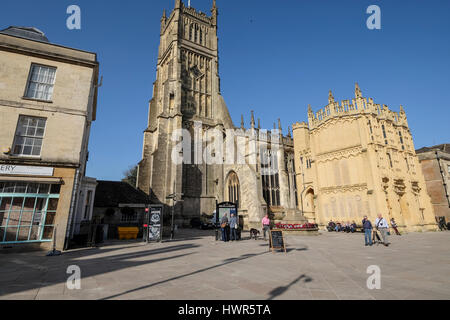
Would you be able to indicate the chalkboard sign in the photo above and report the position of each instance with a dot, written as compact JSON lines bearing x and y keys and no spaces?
{"x":276,"y":240}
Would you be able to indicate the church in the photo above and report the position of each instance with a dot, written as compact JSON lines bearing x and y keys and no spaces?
{"x":357,"y":158}
{"x":351,"y":159}
{"x":187,"y":98}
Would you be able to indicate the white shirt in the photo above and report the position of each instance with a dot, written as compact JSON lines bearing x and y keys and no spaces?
{"x":381,"y":223}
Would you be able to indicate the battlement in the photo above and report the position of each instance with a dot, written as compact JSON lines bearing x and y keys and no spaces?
{"x":189,"y":11}
{"x":300,"y":125}
{"x":356,"y":106}
{"x":267,"y":136}
{"x":197,"y":14}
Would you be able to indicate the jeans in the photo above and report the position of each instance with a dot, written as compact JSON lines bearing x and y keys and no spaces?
{"x":233,"y":234}
{"x":383,"y":232}
{"x":368,"y":236}
{"x":265,"y":229}
{"x":225,"y":235}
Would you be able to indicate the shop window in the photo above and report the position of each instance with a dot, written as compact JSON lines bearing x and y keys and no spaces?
{"x":27,"y":212}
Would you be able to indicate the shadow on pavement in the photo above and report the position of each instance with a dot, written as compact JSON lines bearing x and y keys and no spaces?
{"x":40,"y":271}
{"x":280,"y":290}
{"x":227,"y":261}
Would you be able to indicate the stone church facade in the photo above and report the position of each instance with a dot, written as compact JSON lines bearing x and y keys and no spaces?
{"x":357,"y":158}
{"x":186,"y":96}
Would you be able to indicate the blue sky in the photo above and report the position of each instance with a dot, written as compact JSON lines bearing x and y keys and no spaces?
{"x":276,"y":57}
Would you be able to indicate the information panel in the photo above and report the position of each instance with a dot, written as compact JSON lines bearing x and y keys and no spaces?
{"x":155,"y":223}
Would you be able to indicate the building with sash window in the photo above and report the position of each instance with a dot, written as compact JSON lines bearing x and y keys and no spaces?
{"x":48,"y":99}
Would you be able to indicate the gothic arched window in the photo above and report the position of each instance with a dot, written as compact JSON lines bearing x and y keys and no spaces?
{"x":196,"y":33}
{"x":232,"y":188}
{"x":270,"y":177}
{"x":191,"y":27}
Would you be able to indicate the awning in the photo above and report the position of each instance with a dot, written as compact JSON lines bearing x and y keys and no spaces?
{"x":32,"y":179}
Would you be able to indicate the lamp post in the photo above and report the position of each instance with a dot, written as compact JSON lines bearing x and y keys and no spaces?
{"x":173,"y":196}
{"x":216,"y":222}
{"x":172,"y":227}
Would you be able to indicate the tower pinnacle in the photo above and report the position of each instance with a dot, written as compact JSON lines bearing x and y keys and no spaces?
{"x":330,"y":97}
{"x":358,"y":93}
{"x":214,"y":12}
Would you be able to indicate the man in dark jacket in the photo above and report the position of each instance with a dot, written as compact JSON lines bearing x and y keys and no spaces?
{"x":367,"y":226}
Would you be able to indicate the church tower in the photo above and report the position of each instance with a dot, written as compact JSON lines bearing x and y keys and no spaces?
{"x":186,"y":95}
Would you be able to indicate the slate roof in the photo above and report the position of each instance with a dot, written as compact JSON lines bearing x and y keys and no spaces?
{"x":445,"y":147}
{"x":111,"y":193}
{"x":30,"y":33}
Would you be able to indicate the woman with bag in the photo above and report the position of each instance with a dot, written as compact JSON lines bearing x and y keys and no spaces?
{"x":224,"y":228}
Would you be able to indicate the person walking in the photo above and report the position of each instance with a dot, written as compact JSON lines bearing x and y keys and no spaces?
{"x":265,"y":225}
{"x":233,"y":227}
{"x":224,"y":227}
{"x":383,"y":226}
{"x":394,"y":226}
{"x":367,"y":226}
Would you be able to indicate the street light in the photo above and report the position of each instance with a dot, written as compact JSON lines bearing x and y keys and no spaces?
{"x":173,"y":196}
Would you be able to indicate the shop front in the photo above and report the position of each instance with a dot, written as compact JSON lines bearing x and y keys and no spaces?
{"x":33,"y":201}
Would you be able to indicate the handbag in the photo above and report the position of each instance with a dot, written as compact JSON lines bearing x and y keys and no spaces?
{"x":223,"y":225}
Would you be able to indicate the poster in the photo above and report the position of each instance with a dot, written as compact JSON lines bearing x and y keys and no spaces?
{"x":155,"y":224}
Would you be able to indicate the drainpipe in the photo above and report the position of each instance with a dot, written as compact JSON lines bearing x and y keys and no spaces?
{"x":443,"y":177}
{"x":304,"y":187}
{"x":71,"y":210}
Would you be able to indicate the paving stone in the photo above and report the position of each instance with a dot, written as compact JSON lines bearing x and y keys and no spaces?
{"x":329,"y":266}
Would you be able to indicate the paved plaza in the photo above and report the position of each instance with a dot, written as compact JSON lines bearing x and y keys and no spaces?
{"x":328,"y":266}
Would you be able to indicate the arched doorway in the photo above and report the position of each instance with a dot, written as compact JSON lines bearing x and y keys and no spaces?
{"x":232,"y":190}
{"x":309,"y":209}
